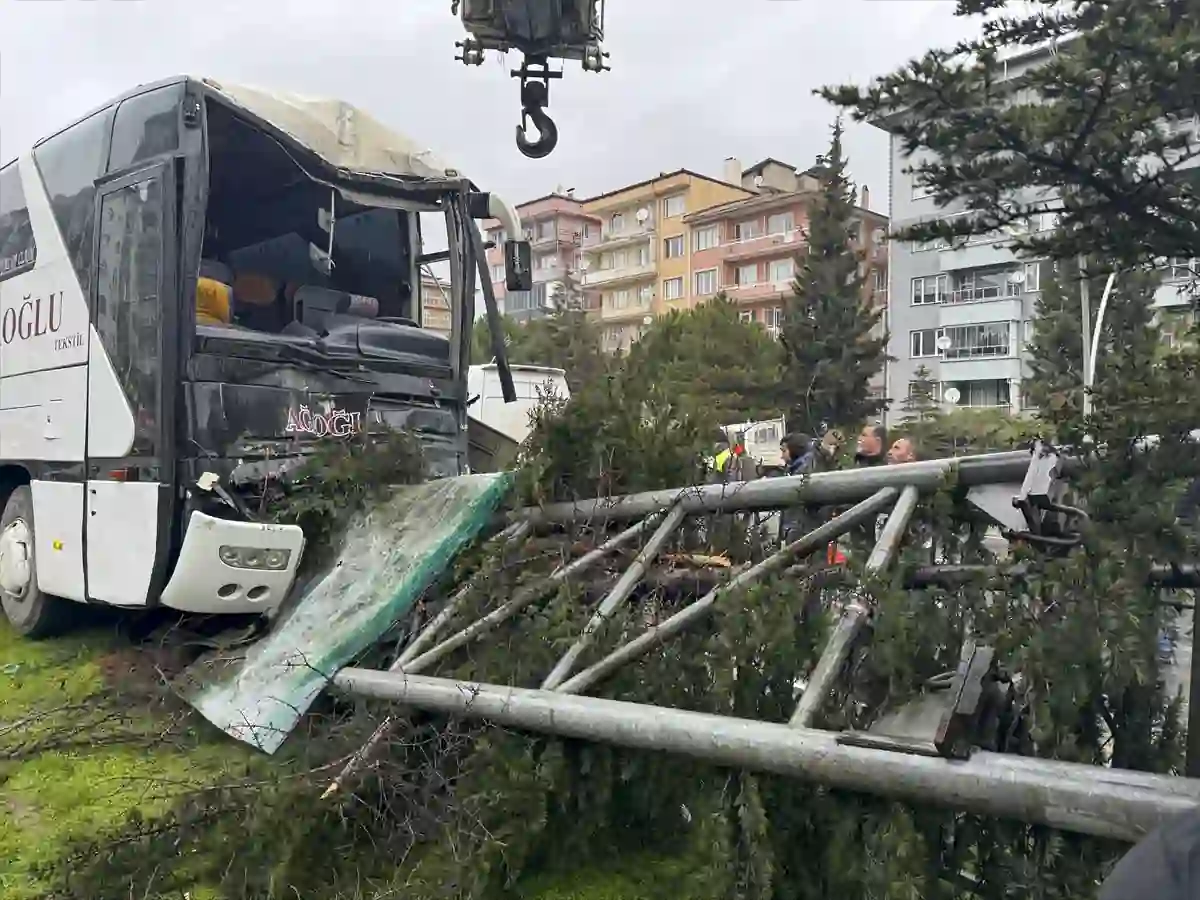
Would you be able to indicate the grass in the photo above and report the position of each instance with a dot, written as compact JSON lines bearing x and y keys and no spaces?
{"x":87,"y":741}
{"x":75,"y":757}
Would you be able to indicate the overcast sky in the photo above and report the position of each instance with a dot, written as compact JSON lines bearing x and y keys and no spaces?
{"x":693,"y":81}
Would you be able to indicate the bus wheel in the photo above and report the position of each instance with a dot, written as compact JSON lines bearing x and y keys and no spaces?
{"x":27,"y":609}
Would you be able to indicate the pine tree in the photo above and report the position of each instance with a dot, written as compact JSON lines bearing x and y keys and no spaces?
{"x":708,"y":358}
{"x":568,"y":293}
{"x":921,"y":405}
{"x":831,"y":335}
{"x":1056,"y":354}
{"x":1065,"y":128}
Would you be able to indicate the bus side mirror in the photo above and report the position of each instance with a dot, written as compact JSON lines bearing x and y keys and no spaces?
{"x":518,"y":266}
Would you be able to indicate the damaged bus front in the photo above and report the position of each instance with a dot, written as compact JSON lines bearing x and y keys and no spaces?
{"x":232,"y":277}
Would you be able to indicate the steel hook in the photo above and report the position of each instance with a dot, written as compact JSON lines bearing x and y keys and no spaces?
{"x":547,"y":138}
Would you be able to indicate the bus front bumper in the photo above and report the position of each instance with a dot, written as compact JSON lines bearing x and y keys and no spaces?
{"x":229,"y":567}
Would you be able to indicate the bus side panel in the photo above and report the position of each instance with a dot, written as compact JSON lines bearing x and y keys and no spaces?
{"x":58,"y":540}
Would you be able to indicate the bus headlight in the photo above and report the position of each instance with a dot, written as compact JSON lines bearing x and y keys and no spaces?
{"x":255,"y":558}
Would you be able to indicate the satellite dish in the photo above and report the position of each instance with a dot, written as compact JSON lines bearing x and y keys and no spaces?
{"x":1016,"y":277}
{"x":952,"y":395}
{"x":758,"y":180}
{"x":648,"y":320}
{"x":643,"y":214}
{"x":943,"y":343}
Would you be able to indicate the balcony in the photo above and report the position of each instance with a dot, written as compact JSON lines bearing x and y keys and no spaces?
{"x":760,"y":245}
{"x":633,"y":312}
{"x":608,"y":277}
{"x":631,"y":234}
{"x":763,"y":290}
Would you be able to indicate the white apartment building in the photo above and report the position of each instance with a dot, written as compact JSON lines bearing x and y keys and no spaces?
{"x":966,"y":312}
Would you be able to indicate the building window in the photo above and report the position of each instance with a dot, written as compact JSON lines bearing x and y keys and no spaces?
{"x":1183,"y":269}
{"x":706,"y":283}
{"x":673,"y":247}
{"x":1033,"y":277}
{"x":928,"y":290}
{"x":544,"y":230}
{"x":673,"y":206}
{"x":973,"y":341}
{"x":1027,"y":332}
{"x":919,"y":190}
{"x":645,"y":294}
{"x":781,"y":223}
{"x":746,"y":315}
{"x":705,"y":238}
{"x":545,"y":261}
{"x":976,"y":285}
{"x":923,"y":343}
{"x":986,"y":393}
{"x":782,"y":269}
{"x":497,"y":273}
{"x":747,"y":274}
{"x":775,"y":317}
{"x":616,"y":224}
{"x":923,"y":390}
{"x":585,"y":231}
{"x":673,"y":288}
{"x":748,"y":230}
{"x":499,"y":236}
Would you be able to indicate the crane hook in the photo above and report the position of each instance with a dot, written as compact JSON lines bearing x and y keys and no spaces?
{"x":547,"y":138}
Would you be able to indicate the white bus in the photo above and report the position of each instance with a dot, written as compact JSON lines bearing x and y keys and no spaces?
{"x":513,"y":420}
{"x":200,"y":282}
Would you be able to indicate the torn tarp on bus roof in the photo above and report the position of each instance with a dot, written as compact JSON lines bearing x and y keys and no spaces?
{"x":390,"y":554}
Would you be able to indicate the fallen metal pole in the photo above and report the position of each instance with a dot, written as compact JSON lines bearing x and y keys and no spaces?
{"x":427,"y":634}
{"x":854,"y":615}
{"x":523,"y":598}
{"x":1093,"y":800}
{"x":826,"y":488}
{"x":690,"y":615}
{"x":619,"y":594}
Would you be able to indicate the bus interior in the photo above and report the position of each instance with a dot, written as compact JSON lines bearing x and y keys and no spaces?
{"x":288,"y":258}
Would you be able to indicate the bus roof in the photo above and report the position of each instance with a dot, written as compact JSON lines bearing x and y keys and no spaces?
{"x":520,"y":367}
{"x":343,"y":135}
{"x":338,"y":133}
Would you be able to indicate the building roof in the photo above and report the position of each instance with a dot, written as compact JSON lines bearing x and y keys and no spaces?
{"x":762,"y":201}
{"x":662,"y":176}
{"x":763,"y":163}
{"x":556,"y":196}
{"x":1019,"y":55}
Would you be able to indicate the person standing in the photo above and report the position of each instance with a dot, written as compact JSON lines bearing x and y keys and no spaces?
{"x":870,"y":448}
{"x":902,"y":451}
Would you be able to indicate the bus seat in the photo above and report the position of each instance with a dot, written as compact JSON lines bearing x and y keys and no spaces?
{"x":252,"y":289}
{"x":214,"y":302}
{"x":217,"y":271}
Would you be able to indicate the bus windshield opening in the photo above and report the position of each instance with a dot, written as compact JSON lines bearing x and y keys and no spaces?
{"x":265,"y":263}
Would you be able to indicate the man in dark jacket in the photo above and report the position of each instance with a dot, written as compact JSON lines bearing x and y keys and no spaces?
{"x":799,"y":455}
{"x":872,"y":445}
{"x":1164,"y":866}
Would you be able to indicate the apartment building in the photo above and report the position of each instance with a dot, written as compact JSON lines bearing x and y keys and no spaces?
{"x":435,"y":303}
{"x":557,"y":228}
{"x":640,"y":261}
{"x":966,"y":312}
{"x":747,"y":247}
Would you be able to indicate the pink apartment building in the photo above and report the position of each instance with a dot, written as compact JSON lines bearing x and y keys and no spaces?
{"x":558,"y":229}
{"x":747,"y":248}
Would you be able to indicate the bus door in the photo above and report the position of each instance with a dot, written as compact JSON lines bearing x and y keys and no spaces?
{"x":132,"y":376}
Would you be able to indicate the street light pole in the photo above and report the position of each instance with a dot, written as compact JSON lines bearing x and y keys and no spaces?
{"x":1086,"y":313}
